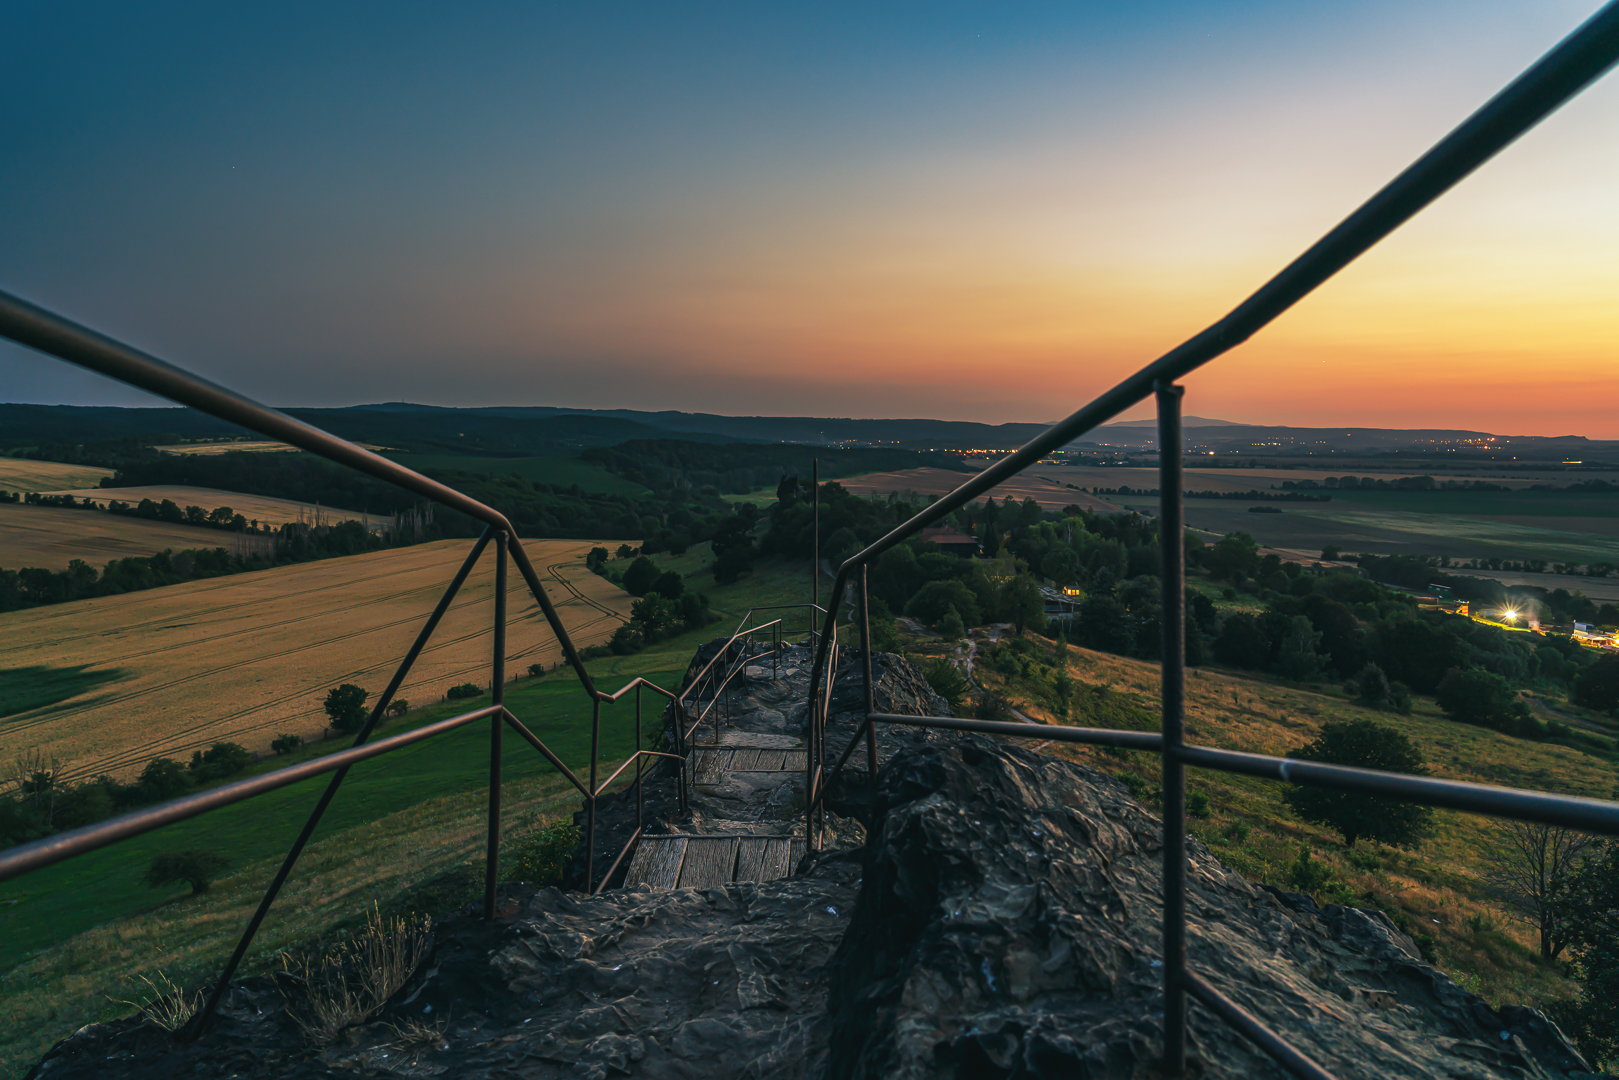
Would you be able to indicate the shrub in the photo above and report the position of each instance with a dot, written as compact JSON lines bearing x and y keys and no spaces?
{"x":1487,"y":700}
{"x":463,"y":691}
{"x":1308,"y":876}
{"x":345,"y":706}
{"x":286,"y":744}
{"x":398,"y":707}
{"x":536,"y":670}
{"x":1197,"y":804}
{"x":219,"y":761}
{"x":540,"y":857}
{"x":947,"y":681}
{"x":163,"y":778}
{"x":196,"y":867}
{"x":1369,"y":745}
{"x":1597,"y":687}
{"x":1141,"y":788}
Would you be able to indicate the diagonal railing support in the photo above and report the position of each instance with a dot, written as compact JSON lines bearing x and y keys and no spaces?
{"x":195,"y":1026}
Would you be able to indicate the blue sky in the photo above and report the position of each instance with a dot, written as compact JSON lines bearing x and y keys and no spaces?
{"x":948,"y":210}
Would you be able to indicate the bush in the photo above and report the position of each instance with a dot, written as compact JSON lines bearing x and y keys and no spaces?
{"x":1197,"y":804}
{"x":1487,"y":700}
{"x":398,"y":707}
{"x":464,"y":691}
{"x":286,"y":744}
{"x":1364,"y":744}
{"x":219,"y":761}
{"x":1141,"y":788}
{"x":345,"y":706}
{"x":947,"y":681}
{"x":1597,"y":687}
{"x":540,"y":857}
{"x":536,"y":671}
{"x":639,"y":578}
{"x":163,"y":778}
{"x":195,"y":867}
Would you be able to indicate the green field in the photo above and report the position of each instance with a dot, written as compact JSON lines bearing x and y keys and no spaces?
{"x":1599,"y":504}
{"x":28,"y":688}
{"x":557,"y":471}
{"x":1363,"y":526}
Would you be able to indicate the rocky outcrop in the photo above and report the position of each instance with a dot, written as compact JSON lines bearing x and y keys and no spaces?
{"x":1008,"y":926}
{"x":1002,"y":920}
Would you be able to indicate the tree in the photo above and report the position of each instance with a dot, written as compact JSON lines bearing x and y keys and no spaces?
{"x":639,"y":578}
{"x":286,"y":744}
{"x":1022,"y":604}
{"x":933,"y":599}
{"x":1233,"y":556}
{"x":219,"y":761}
{"x":1479,"y":697}
{"x":1298,"y":659}
{"x":1589,"y":913}
{"x":1242,"y":643}
{"x":1364,"y":744}
{"x":195,"y":867}
{"x":669,"y":585}
{"x":163,"y":778}
{"x":951,"y":627}
{"x":1529,"y":867}
{"x":1418,"y":653}
{"x":625,"y":552}
{"x":399,"y":706}
{"x":595,"y":558}
{"x":1597,"y":687}
{"x":1373,"y":686}
{"x":345,"y":706}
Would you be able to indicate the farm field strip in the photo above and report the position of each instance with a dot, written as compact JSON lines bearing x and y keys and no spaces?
{"x":266,"y":509}
{"x":1050,"y":494}
{"x":257,"y":659}
{"x":22,"y":474}
{"x":52,"y":537}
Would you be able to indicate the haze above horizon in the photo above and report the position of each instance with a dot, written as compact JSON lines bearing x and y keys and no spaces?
{"x":963,"y":212}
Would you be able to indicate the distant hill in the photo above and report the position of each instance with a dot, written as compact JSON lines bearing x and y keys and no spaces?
{"x":517,"y":430}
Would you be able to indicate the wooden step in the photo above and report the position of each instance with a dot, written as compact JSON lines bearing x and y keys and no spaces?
{"x":694,"y":861}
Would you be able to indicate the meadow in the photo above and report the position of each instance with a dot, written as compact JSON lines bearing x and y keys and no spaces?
{"x":20,"y":474}
{"x":50,"y":537}
{"x":1437,"y":891}
{"x":248,"y":657}
{"x":557,"y":471}
{"x":1050,"y":494}
{"x":265,"y":509}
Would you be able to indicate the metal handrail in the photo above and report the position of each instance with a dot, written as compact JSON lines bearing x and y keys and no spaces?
{"x":1563,"y":72}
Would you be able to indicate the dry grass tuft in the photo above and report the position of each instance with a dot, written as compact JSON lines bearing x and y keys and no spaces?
{"x":164,"y":1003}
{"x":351,"y":982}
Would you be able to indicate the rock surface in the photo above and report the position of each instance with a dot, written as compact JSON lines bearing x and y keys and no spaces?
{"x":1002,"y":921}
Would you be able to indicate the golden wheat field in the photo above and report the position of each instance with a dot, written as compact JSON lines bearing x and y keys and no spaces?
{"x":50,"y":538}
{"x":19,"y":474}
{"x":264,"y":509}
{"x":248,"y":657}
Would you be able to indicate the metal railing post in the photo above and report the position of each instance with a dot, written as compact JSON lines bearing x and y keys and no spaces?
{"x":497,"y":683}
{"x":1172,"y":548}
{"x":590,"y":819}
{"x":871,"y":690}
{"x":640,"y":800}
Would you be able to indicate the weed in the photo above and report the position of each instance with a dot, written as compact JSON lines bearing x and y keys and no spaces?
{"x":421,"y":1035}
{"x":165,"y":1004}
{"x":351,"y":982}
{"x":1140,"y":788}
{"x":1236,"y":832}
{"x":540,"y":857}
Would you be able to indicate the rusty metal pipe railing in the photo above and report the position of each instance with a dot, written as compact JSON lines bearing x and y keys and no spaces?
{"x":38,"y":854}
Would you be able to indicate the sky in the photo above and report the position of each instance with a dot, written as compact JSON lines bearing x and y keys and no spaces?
{"x":982,"y":212}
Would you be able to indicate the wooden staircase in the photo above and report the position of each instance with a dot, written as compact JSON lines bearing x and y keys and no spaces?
{"x":696,"y":861}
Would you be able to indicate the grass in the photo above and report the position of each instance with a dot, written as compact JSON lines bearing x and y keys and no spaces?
{"x":1437,"y":893}
{"x":248,"y":657}
{"x":558,"y":471}
{"x":1491,"y":503}
{"x":25,"y":689}
{"x":1360,"y":526}
{"x":50,"y":537}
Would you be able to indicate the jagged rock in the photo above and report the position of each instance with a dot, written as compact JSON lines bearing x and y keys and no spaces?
{"x":1008,"y":926}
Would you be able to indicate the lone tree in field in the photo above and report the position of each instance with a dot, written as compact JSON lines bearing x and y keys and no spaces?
{"x":196,"y":868}
{"x":346,"y":706}
{"x":1364,"y":744}
{"x":1530,"y":866}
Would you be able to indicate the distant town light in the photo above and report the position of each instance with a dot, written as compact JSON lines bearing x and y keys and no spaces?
{"x":1510,"y":615}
